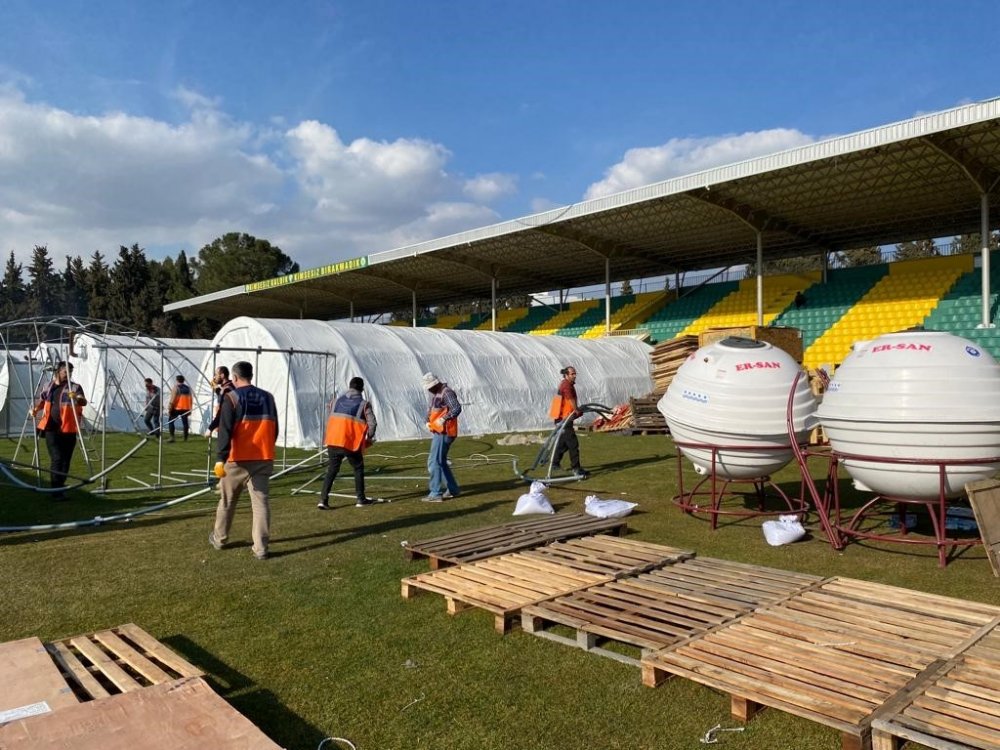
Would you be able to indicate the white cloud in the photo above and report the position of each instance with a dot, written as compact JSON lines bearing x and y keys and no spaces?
{"x":679,"y":156}
{"x":80,"y":183}
{"x":486,"y":188}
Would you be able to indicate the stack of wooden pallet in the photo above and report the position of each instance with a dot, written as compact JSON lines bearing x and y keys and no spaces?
{"x":667,"y":357}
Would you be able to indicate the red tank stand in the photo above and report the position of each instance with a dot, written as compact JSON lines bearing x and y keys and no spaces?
{"x":848,"y":526}
{"x":718,"y":489}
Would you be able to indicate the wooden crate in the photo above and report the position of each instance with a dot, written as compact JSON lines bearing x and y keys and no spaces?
{"x":30,"y":683}
{"x":608,"y":555}
{"x":784,"y":337}
{"x":501,"y":585}
{"x":834,"y":654}
{"x":984,"y":497}
{"x":956,"y":706}
{"x":646,"y":418}
{"x":119,"y":660}
{"x":661,"y":607}
{"x":184,"y":714}
{"x":478,"y":544}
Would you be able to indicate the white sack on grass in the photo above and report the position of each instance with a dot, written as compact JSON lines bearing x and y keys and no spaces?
{"x":594,"y":506}
{"x":785,"y":530}
{"x":534,"y":501}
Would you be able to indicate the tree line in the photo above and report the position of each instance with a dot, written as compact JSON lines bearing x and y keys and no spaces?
{"x":132,"y":289}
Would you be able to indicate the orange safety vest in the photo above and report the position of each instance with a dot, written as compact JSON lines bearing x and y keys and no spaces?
{"x":560,"y":408}
{"x":182,"y":400}
{"x":69,"y":422}
{"x":344,"y":429}
{"x":450,"y":425}
{"x":256,"y":428}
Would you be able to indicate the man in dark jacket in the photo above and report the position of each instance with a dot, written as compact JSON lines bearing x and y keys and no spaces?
{"x":350,"y":429}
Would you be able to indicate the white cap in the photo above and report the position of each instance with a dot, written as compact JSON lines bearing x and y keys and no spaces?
{"x":430,"y":380}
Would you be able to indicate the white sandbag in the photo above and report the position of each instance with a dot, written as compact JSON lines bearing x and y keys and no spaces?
{"x":785,"y":530}
{"x":594,"y":506}
{"x":534,"y":501}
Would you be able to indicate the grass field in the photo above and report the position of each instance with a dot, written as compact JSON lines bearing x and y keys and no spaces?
{"x":316,"y":641}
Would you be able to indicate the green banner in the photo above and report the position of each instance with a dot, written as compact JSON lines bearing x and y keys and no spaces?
{"x":313,"y":273}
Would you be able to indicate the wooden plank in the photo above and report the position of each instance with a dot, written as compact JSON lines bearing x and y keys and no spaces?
{"x":984,"y":497}
{"x":184,"y":714}
{"x":492,"y":541}
{"x":131,"y":657}
{"x":28,"y":676}
{"x":104,"y":663}
{"x":75,"y":670}
{"x":157,"y":650}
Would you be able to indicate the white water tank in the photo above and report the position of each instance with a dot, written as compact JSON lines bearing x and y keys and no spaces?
{"x":733,"y":395}
{"x":918,"y":395}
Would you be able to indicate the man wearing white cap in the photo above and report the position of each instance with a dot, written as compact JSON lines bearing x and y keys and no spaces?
{"x":442,"y":421}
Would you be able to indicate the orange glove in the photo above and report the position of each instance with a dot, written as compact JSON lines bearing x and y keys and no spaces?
{"x":219,"y":470}
{"x":438,"y":425}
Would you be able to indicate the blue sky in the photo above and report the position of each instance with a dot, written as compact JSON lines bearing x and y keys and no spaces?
{"x":336,"y":129}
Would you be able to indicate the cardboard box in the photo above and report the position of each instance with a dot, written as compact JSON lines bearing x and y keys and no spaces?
{"x":784,"y":337}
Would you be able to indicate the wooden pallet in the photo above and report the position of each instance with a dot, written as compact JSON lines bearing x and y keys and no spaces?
{"x":115,"y":661}
{"x":478,"y":544}
{"x":661,"y":607}
{"x":501,"y":585}
{"x":184,"y":714}
{"x":608,"y":555}
{"x":957,"y":707}
{"x":834,"y":654}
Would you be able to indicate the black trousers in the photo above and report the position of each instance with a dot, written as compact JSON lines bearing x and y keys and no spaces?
{"x":568,"y":442}
{"x":336,"y":456}
{"x":184,"y":415}
{"x":61,"y":446}
{"x":152,"y":420}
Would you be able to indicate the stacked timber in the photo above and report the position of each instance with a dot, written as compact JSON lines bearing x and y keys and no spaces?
{"x":667,"y":358}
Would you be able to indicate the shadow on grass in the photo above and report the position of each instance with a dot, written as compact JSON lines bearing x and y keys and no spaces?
{"x":340,"y":535}
{"x":261,"y":707}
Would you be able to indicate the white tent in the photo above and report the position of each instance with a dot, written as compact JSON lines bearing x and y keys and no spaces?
{"x":504,"y":381}
{"x":20,"y":379}
{"x":112,"y":369}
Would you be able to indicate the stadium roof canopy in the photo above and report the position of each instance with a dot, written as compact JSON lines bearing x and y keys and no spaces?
{"x":915,"y":179}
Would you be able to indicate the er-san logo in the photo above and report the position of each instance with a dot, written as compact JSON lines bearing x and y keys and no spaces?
{"x":901,"y":347}
{"x":758,"y":366}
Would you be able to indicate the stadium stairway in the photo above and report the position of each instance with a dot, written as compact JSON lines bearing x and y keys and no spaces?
{"x":566,"y":317}
{"x":671,"y":319}
{"x":505,"y":318}
{"x":627,"y":316}
{"x":594,"y":317}
{"x":960,"y":310}
{"x":827,"y":302}
{"x":536,"y":317}
{"x":901,"y":299}
{"x":739,"y":308}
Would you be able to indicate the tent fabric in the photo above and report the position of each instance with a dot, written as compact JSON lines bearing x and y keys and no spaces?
{"x":504,"y":381}
{"x":20,"y":380}
{"x":112,"y":370}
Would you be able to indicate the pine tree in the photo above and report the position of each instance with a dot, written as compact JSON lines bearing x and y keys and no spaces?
{"x":74,"y":291}
{"x":12,"y":293}
{"x":44,"y":284}
{"x":98,"y":286}
{"x":235,"y":259}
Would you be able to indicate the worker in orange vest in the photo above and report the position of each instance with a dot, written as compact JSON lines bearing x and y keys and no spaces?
{"x":248,"y":431}
{"x":350,"y":429}
{"x":442,"y":421}
{"x":565,"y":409}
{"x":61,"y":405}
{"x":181,"y":402}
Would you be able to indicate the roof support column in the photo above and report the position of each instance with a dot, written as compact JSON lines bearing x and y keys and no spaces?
{"x":352,"y":311}
{"x":413,"y":292}
{"x":493,"y":301}
{"x":760,"y":278}
{"x":984,"y":234}
{"x":607,"y":296}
